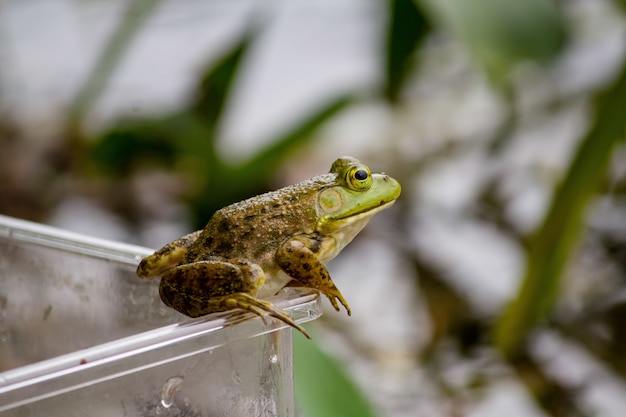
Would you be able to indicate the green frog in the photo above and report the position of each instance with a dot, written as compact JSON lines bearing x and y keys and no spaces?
{"x":249,"y":250}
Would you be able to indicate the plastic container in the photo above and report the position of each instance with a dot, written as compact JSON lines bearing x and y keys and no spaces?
{"x":82,"y":335}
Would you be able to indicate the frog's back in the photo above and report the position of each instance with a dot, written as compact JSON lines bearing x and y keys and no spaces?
{"x":253,"y":228}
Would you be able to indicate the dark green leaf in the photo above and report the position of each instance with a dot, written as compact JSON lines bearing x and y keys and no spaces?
{"x":227,"y":184}
{"x":301,"y":133}
{"x":407,"y":28}
{"x":217,"y":83}
{"x":122,"y":147}
{"x":323,"y":389}
{"x":157,"y":141}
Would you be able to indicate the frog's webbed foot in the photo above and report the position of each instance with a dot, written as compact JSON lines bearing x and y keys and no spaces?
{"x":303,"y":265}
{"x":261,"y":308}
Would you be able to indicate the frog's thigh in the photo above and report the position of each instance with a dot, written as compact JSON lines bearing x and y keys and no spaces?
{"x":195,"y":289}
{"x":299,"y":262}
{"x":211,"y":286}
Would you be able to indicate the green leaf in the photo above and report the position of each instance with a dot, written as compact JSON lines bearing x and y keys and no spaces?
{"x":160,"y":141}
{"x":323,"y":389}
{"x":406,"y":30}
{"x":551,"y":247}
{"x":299,"y":134}
{"x":122,"y":147}
{"x":227,"y":184}
{"x":500,"y":33}
{"x":216,"y":85}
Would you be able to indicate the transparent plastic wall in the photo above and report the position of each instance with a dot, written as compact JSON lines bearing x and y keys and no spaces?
{"x":82,"y":335}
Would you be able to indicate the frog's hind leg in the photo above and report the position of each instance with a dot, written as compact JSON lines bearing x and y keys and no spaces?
{"x":218,"y":285}
{"x":305,"y":267}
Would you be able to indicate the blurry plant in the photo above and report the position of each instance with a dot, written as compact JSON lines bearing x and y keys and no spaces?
{"x":501,"y":33}
{"x":137,"y":12}
{"x":323,"y":388}
{"x":553,"y":244}
{"x":500,"y":36}
{"x":185,"y":142}
{"x":406,"y":31}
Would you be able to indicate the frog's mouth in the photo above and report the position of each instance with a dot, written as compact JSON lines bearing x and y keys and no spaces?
{"x":369,"y":212}
{"x":364,"y":216}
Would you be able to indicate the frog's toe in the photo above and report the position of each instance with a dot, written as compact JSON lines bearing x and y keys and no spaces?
{"x":262,"y":308}
{"x":343,"y":302}
{"x":334,"y":302}
{"x":335,"y":295}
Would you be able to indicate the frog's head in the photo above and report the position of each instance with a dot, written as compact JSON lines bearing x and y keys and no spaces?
{"x":345,"y":207}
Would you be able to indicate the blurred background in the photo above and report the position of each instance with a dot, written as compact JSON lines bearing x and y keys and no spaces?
{"x":496,"y":284}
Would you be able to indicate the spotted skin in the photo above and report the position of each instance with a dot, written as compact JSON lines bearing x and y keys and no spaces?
{"x":187,"y":290}
{"x":298,"y":258}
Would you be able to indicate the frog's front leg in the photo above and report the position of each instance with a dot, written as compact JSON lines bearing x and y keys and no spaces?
{"x":298,"y":259}
{"x":216,"y":285}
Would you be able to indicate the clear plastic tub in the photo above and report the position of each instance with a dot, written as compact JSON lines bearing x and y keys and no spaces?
{"x":82,"y":335}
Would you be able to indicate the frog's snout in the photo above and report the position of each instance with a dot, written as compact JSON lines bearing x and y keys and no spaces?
{"x":386,"y":178}
{"x":391,"y":185}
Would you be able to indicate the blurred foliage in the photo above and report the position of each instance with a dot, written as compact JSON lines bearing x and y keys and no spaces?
{"x":553,"y":243}
{"x":322,"y":386}
{"x":133,"y":20}
{"x":500,"y":35}
{"x":407,"y":28}
{"x":186,"y":142}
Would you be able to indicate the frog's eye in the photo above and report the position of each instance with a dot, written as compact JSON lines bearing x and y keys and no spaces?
{"x":361,"y":175}
{"x":359,"y":178}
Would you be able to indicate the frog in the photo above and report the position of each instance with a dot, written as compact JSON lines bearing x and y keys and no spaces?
{"x":250,"y":250}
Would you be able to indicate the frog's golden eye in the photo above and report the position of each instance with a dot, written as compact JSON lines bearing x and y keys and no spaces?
{"x":359,"y":178}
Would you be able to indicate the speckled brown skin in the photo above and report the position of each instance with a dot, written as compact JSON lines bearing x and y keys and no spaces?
{"x":250,"y":250}
{"x":186,"y":289}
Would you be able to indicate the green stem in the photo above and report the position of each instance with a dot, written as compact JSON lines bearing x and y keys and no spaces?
{"x":553,"y":244}
{"x":135,"y":15}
